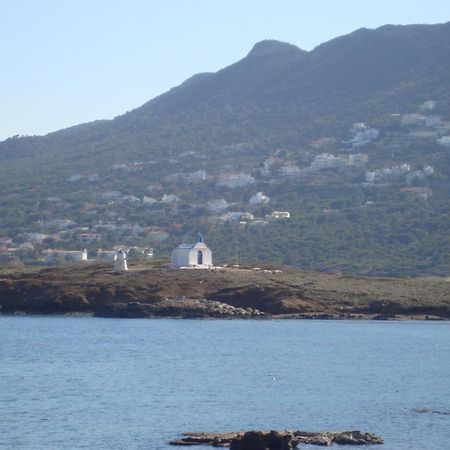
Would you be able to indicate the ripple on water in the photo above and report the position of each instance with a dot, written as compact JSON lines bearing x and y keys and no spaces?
{"x":112,"y":384}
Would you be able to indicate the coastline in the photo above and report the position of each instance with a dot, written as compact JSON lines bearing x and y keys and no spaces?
{"x":282,"y":317}
{"x":283,"y":293}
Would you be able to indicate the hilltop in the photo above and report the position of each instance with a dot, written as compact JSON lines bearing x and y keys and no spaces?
{"x":351,"y":138}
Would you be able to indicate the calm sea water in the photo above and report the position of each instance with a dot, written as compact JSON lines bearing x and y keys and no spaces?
{"x":89,"y":383}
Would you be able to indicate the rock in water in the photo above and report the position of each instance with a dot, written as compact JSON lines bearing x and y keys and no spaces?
{"x":259,"y":440}
{"x":277,"y":440}
{"x":356,"y":438}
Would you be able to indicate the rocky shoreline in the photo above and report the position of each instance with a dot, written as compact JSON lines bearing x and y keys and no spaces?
{"x":281,"y":440}
{"x":155,"y":290}
{"x":182,"y":308}
{"x":179,"y":307}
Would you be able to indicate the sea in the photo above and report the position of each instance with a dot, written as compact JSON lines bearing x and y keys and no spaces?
{"x":92,"y":383}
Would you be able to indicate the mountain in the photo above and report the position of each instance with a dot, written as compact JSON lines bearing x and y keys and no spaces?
{"x":282,"y":121}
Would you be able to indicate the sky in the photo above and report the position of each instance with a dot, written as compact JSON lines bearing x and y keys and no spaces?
{"x":65,"y":62}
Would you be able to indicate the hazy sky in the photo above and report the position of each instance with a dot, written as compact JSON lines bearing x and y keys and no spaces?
{"x":65,"y":62}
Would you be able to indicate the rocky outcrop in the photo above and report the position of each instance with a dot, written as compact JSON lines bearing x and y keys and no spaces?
{"x":355,"y":438}
{"x":432,"y":411}
{"x":260,"y":440}
{"x":280,"y":440}
{"x":177,"y":307}
{"x":273,"y":299}
{"x":155,"y":290}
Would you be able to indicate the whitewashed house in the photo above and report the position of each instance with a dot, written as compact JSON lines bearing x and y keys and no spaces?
{"x":148,"y":200}
{"x":326,"y":161}
{"x":120,"y":261}
{"x":236,"y":216}
{"x":259,"y":199}
{"x":289,"y":169}
{"x":75,"y":178}
{"x":427,"y":106}
{"x":195,"y":255}
{"x":235,"y":180}
{"x":362,"y":134}
{"x":444,"y":140}
{"x":169,"y":198}
{"x":279,"y":215}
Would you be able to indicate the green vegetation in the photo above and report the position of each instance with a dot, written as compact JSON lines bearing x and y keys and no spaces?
{"x":278,"y":104}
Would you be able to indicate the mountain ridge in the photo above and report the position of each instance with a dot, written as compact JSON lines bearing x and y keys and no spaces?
{"x":267,"y":117}
{"x":326,"y":49}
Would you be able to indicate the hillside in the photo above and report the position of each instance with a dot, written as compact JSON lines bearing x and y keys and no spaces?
{"x":351,"y":138}
{"x":155,"y":290}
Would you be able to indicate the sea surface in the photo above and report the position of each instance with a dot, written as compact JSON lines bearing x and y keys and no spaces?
{"x":90,"y":383}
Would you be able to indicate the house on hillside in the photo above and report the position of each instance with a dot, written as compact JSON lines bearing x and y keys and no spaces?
{"x":259,"y":199}
{"x":326,"y":161}
{"x":279,"y":215}
{"x":235,"y":179}
{"x":196,"y":255}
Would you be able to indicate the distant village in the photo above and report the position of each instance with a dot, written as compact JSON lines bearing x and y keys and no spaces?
{"x":192,"y":255}
{"x":46,"y":241}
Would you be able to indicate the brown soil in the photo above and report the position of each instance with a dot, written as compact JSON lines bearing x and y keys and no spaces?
{"x":282,"y":291}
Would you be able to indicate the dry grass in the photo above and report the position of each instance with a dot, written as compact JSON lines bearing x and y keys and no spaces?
{"x":289,"y":291}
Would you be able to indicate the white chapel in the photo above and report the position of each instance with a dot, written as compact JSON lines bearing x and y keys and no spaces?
{"x":195,"y":255}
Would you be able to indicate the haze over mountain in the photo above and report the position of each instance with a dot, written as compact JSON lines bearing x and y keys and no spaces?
{"x":278,"y":102}
{"x":343,"y":76}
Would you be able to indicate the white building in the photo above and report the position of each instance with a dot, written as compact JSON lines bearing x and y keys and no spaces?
{"x":75,"y":178}
{"x":326,"y":161}
{"x":429,"y":105}
{"x":388,"y":173}
{"x":444,"y":140}
{"x":196,"y":255}
{"x":279,"y":215}
{"x":148,"y":200}
{"x":259,"y":199}
{"x":120,"y":262}
{"x":169,"y":198}
{"x":370,"y":176}
{"x":364,"y":138}
{"x":289,"y":170}
{"x":362,"y":134}
{"x":236,"y":216}
{"x":235,"y":180}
